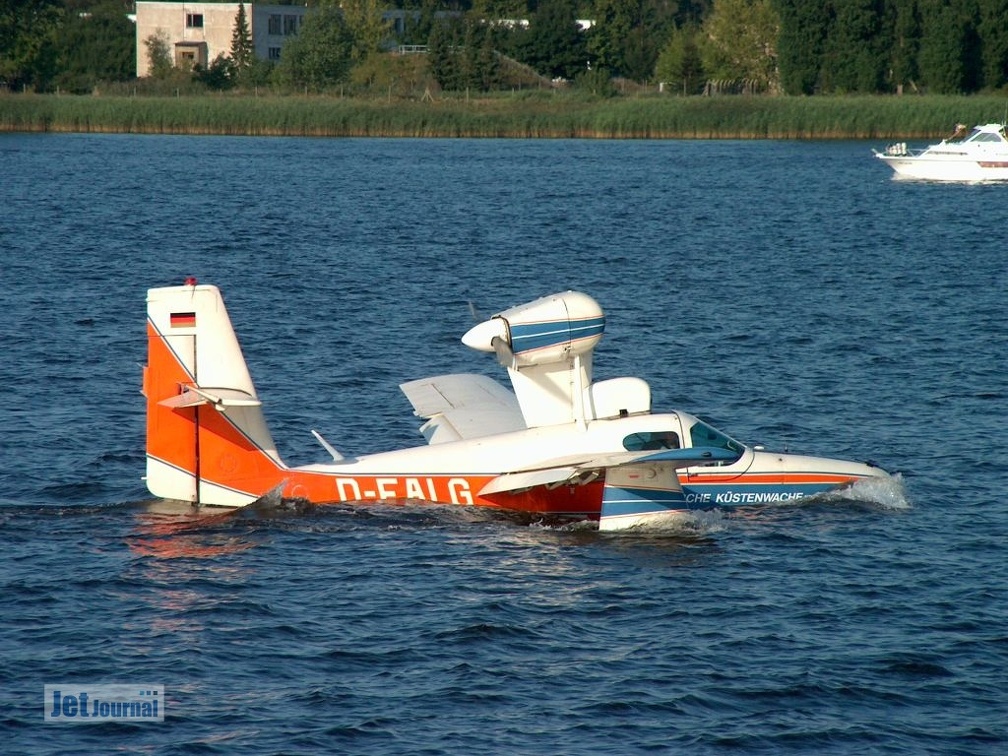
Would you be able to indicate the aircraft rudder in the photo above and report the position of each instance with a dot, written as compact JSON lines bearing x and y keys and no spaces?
{"x":207,"y":439}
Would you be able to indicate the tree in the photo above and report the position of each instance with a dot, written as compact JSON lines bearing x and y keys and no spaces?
{"x":461,"y":55}
{"x":640,"y":53}
{"x":418,"y":26}
{"x":489,"y":10}
{"x":905,"y":44}
{"x":993,"y":30}
{"x":613,"y":22}
{"x":480,"y":65}
{"x":159,"y":57}
{"x":555,"y":45}
{"x":94,"y":46}
{"x":220,"y":74}
{"x":487,"y":63}
{"x":945,"y":33}
{"x":856,"y":47}
{"x":321,"y":54}
{"x":679,"y":64}
{"x":369,"y":30}
{"x":28,"y":53}
{"x":242,"y":51}
{"x":627,"y":33}
{"x":741,"y":42}
{"x":803,"y":28}
{"x":440,"y":57}
{"x":690,"y":12}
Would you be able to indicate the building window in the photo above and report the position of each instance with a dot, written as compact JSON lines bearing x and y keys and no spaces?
{"x":194,"y":20}
{"x":275,"y":21}
{"x":290,"y":25}
{"x":274,"y":53}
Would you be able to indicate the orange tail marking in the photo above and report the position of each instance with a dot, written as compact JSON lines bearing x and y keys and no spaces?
{"x":219,"y":453}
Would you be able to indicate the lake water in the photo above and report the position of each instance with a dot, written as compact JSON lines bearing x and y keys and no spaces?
{"x":790,"y":291}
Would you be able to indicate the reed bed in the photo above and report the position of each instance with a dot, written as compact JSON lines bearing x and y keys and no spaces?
{"x":543,"y":114}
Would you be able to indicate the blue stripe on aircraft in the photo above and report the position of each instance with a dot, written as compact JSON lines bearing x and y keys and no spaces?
{"x":530,"y":336}
{"x":619,"y":501}
{"x":701,"y":495}
{"x":625,"y":501}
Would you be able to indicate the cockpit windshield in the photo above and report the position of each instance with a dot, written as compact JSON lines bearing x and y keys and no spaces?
{"x":704,"y":435}
{"x":651,"y":441}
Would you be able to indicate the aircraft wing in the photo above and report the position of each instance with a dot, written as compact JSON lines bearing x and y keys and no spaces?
{"x":639,"y":488}
{"x":580,"y":470}
{"x":462,"y":406}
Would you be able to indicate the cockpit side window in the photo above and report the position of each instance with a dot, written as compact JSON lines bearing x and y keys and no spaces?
{"x":703,"y":435}
{"x":651,"y":441}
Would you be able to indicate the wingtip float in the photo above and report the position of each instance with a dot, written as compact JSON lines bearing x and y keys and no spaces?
{"x":558,"y":445}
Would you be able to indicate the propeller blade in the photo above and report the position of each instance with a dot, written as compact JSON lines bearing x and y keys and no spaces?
{"x":505,"y":356}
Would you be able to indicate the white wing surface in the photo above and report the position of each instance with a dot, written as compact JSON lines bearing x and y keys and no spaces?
{"x":463,"y":406}
{"x":578,"y":470}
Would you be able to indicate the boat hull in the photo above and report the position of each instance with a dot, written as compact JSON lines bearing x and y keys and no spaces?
{"x":938,"y":168}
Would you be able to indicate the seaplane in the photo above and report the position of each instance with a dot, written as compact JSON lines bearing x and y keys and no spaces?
{"x":557,"y":445}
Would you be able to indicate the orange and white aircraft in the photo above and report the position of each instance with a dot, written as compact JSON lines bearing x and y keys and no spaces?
{"x":558,"y":445}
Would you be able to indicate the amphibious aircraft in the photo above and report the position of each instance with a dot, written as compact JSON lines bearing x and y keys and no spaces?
{"x":556,"y":444}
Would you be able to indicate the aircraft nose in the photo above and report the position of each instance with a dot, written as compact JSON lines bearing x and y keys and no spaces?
{"x":480,"y":337}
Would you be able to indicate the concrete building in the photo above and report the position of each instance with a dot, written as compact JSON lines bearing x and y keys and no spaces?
{"x":198,"y":32}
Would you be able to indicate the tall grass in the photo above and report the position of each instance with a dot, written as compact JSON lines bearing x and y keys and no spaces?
{"x":554,"y":114}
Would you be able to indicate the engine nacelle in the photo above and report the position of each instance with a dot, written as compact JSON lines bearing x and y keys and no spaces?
{"x":549,"y":330}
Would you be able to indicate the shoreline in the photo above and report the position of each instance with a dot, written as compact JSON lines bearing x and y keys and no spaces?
{"x":524,"y":115}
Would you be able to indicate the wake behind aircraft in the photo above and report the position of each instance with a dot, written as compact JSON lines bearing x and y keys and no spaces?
{"x":556,"y":445}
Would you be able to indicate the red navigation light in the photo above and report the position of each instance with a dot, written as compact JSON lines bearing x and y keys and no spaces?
{"x":190,"y":281}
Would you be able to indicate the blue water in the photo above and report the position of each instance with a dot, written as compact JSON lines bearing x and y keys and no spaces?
{"x":791,"y":292}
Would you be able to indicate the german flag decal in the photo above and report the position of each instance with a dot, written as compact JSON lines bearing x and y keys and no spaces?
{"x":183,"y":320}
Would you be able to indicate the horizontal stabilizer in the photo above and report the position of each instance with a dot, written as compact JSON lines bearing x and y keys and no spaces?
{"x":192,"y":396}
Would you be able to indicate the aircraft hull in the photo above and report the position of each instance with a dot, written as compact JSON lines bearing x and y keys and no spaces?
{"x":561,"y":502}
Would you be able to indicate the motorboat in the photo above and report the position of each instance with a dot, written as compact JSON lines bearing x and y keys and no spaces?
{"x":977,"y":154}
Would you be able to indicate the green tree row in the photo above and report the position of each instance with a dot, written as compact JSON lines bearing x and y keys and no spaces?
{"x":790,"y":46}
{"x":68,"y":44}
{"x":941,"y":46}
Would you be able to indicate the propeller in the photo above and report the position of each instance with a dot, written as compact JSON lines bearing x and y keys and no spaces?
{"x":505,"y":355}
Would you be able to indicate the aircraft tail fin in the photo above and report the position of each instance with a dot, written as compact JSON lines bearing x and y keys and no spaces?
{"x":207,"y":440}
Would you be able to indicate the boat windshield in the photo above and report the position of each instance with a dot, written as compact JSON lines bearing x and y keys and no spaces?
{"x":985,"y":136}
{"x":704,"y":435}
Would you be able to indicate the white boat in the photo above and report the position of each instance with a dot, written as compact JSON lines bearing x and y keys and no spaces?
{"x":980,"y":154}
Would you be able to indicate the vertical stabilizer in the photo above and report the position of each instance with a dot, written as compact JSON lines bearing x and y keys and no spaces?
{"x":207,"y":439}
